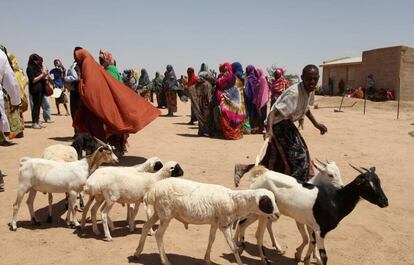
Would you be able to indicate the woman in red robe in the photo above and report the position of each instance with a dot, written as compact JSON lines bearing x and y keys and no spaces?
{"x":108,"y":106}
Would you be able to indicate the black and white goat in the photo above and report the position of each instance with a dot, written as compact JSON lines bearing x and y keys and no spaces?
{"x":320,"y":207}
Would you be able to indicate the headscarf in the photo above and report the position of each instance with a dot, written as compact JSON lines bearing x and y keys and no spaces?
{"x":252,"y":82}
{"x":36,"y":62}
{"x":21,"y":80}
{"x":170,"y":79}
{"x":225,"y":79}
{"x":263,"y":90}
{"x":203,"y":68}
{"x":192,"y":77}
{"x":144,"y":78}
{"x":237,"y":70}
{"x":279,"y":84}
{"x":106,"y":57}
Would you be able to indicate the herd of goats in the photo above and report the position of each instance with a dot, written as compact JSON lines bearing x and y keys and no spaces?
{"x":317,"y":206}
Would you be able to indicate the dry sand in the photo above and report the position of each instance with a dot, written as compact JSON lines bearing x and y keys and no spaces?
{"x":369,"y":235}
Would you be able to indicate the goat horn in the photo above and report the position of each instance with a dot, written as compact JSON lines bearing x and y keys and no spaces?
{"x":357,"y":169}
{"x":367,"y":170}
{"x":320,"y":162}
{"x":99,"y":141}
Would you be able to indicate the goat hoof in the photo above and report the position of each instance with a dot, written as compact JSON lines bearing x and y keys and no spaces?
{"x":12,"y":227}
{"x":279,"y":251}
{"x":49,"y":219}
{"x":108,"y":239}
{"x":306,"y":261}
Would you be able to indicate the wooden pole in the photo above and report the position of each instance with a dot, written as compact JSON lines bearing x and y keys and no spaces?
{"x":399,"y":93}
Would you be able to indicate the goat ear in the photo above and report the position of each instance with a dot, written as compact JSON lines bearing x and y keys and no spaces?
{"x":265,"y":204}
{"x":372,"y":169}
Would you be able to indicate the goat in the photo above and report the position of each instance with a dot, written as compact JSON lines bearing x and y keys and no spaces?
{"x":151,"y":165}
{"x":197,"y":203}
{"x":126,"y":186}
{"x":85,"y":142}
{"x":47,"y":176}
{"x":328,"y":174}
{"x":320,"y":207}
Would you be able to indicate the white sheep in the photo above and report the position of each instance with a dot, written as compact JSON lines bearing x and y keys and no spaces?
{"x":47,"y":176}
{"x":60,"y":152}
{"x":125,"y":186}
{"x":151,"y":165}
{"x":320,"y":207}
{"x":327,"y":174}
{"x":197,"y":203}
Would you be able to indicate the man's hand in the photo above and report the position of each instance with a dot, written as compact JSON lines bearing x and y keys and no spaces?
{"x":322,"y":128}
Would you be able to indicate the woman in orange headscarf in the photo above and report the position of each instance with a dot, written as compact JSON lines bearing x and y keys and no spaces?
{"x":108,"y":106}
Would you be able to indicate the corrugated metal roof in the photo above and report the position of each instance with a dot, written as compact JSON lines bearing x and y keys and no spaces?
{"x":345,"y":60}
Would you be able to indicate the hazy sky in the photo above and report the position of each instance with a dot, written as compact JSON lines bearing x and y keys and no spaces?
{"x":184,"y":33}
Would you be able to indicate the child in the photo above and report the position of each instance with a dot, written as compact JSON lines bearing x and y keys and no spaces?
{"x":58,"y":76}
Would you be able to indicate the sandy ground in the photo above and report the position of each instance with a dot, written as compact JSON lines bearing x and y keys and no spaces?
{"x":369,"y":235}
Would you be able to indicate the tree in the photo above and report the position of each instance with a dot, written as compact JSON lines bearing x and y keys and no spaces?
{"x":291,"y":77}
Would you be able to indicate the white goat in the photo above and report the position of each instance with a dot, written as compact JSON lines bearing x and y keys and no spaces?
{"x":47,"y":176}
{"x":126,"y":186}
{"x":327,"y":174}
{"x":151,"y":165}
{"x":319,"y":207}
{"x":63,"y":153}
{"x":197,"y":203}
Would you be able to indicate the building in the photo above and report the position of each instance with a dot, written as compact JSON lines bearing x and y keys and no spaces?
{"x":392,"y":68}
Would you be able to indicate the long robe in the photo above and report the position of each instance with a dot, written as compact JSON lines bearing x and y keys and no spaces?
{"x":117,"y":106}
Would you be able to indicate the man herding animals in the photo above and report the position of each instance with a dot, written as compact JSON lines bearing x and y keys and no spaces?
{"x":285,"y":149}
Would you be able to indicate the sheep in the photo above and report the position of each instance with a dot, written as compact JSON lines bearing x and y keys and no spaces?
{"x":47,"y":176}
{"x":60,"y":152}
{"x":125,"y":186}
{"x":197,"y":203}
{"x":320,"y":207}
{"x":151,"y":165}
{"x":328,"y":174}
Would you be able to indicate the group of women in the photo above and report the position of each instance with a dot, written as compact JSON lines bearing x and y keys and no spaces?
{"x":233,"y":103}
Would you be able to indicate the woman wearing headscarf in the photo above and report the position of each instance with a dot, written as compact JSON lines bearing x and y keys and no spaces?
{"x":37,"y":75}
{"x":192,"y":79}
{"x":240,"y":80}
{"x":108,"y":107}
{"x":250,"y":95}
{"x":231,"y":103}
{"x":108,"y":63}
{"x":17,"y":124}
{"x":8,"y":82}
{"x":261,"y":99}
{"x":157,"y":85}
{"x":143,"y":83}
{"x":279,"y":85}
{"x":170,"y":87}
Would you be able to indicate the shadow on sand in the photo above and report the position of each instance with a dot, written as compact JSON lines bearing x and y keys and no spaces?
{"x":271,"y":255}
{"x":154,"y":258}
{"x":62,"y":138}
{"x":58,"y":209}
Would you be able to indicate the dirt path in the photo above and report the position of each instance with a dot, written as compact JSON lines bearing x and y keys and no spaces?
{"x":369,"y":235}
